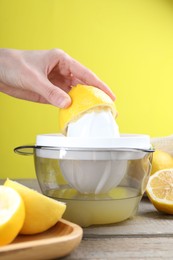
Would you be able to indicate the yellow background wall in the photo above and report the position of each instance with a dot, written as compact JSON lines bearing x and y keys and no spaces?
{"x":129,"y":44}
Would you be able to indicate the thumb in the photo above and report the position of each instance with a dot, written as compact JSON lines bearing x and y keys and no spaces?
{"x":55,"y":95}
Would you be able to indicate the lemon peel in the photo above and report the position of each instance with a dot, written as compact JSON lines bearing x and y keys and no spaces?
{"x":84,"y":99}
{"x":12,"y":214}
{"x":42,"y":212}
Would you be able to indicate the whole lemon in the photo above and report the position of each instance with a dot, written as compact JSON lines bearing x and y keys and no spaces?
{"x":161,"y":160}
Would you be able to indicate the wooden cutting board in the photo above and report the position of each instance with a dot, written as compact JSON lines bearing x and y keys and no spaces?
{"x":56,"y":242}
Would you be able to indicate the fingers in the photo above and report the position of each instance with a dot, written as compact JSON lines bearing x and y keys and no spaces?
{"x":81,"y":75}
{"x":48,"y":94}
{"x":23,"y":94}
{"x":62,"y":66}
{"x":54,"y":95}
{"x":88,"y":77}
{"x":46,"y":76}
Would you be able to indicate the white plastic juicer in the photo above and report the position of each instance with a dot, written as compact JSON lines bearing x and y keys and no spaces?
{"x":101,"y":180}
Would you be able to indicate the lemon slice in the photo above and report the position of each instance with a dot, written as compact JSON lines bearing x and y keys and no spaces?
{"x":41,"y":212}
{"x":160,"y":190}
{"x":12,"y":214}
{"x":84,"y":99}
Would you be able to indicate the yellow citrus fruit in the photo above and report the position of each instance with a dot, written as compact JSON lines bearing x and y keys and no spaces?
{"x":12,"y":214}
{"x":160,"y":190}
{"x":84,"y":99}
{"x":42,"y":212}
{"x":161,"y":160}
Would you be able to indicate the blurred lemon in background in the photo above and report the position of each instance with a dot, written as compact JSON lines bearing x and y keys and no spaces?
{"x":161,"y":160}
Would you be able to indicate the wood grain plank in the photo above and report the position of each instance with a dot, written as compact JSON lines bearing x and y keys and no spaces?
{"x":124,"y":248}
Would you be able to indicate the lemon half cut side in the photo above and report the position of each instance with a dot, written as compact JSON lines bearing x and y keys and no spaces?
{"x":84,"y":99}
{"x":12,"y":214}
{"x":160,"y":190}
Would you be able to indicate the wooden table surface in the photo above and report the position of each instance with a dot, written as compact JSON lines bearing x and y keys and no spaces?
{"x":148,"y":235}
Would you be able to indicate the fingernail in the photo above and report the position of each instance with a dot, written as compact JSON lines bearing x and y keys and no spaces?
{"x":64,"y":103}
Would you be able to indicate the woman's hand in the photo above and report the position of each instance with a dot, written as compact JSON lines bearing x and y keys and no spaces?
{"x":44,"y":76}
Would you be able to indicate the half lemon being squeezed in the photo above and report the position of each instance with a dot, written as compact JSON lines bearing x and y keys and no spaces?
{"x":92,"y":113}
